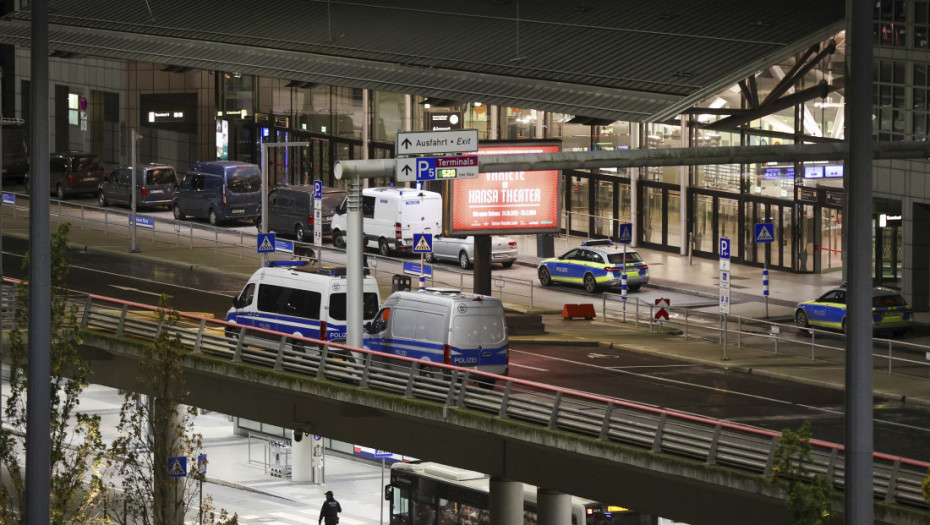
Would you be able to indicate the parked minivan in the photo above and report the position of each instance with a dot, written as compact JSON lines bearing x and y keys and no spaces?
{"x":71,"y":173}
{"x":290,"y":210}
{"x":391,"y":217}
{"x":443,"y":326}
{"x":219,"y":191}
{"x":288,"y":297}
{"x":15,"y":151}
{"x":155,"y":185}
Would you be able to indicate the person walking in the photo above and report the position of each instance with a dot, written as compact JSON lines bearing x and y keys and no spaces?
{"x":331,"y":509}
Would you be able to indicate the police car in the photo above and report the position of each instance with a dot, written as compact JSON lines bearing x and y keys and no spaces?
{"x":890,"y":312}
{"x":595,"y":264}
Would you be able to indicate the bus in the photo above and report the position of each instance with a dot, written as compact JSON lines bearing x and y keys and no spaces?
{"x":426,"y":493}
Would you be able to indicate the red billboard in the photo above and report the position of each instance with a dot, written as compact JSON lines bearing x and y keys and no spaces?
{"x":508,"y":202}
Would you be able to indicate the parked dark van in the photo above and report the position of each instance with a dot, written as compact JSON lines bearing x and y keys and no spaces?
{"x":71,"y":173}
{"x":15,"y":151}
{"x":219,"y":191}
{"x":155,"y":185}
{"x":290,"y":210}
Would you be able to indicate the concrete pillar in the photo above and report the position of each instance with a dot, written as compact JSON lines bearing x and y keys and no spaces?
{"x":683,"y":189}
{"x":493,"y":125}
{"x":553,"y":508}
{"x":301,"y":448}
{"x":506,"y":502}
{"x":635,"y":132}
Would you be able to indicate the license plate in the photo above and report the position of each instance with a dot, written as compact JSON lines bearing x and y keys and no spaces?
{"x":498,"y":255}
{"x":238,"y":210}
{"x":157,"y":192}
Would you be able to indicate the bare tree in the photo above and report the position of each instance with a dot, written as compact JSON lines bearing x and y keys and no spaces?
{"x":156,"y":436}
{"x":76,"y":451}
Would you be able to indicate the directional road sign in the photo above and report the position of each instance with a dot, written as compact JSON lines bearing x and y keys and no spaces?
{"x":661,"y":311}
{"x":421,"y":142}
{"x":143,"y":222}
{"x":266,"y":243}
{"x":414,"y":268}
{"x":436,"y":168}
{"x":626,"y":233}
{"x":765,"y":232}
{"x":9,"y":198}
{"x":383,"y":453}
{"x":422,"y":242}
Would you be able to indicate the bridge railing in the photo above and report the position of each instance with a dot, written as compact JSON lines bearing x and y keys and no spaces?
{"x":708,"y":441}
{"x":889,"y":355}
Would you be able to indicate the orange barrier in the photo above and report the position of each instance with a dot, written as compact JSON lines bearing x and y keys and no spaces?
{"x":570,"y":311}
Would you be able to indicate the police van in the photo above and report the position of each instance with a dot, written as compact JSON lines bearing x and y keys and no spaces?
{"x":390,"y":218}
{"x":287,"y":297}
{"x":443,"y":326}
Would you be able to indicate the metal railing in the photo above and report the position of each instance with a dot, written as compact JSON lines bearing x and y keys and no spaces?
{"x":898,"y":357}
{"x":708,"y":441}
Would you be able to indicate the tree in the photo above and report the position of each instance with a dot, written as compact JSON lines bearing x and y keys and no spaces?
{"x":76,"y":451}
{"x":155,"y":429}
{"x":809,"y":497}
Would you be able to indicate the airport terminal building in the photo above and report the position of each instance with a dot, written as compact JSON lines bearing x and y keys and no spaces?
{"x":210,"y":81}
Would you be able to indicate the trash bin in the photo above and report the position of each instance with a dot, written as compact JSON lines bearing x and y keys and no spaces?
{"x":400,"y":283}
{"x":545,"y":245}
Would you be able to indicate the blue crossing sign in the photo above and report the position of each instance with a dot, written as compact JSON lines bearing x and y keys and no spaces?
{"x":266,"y":243}
{"x":765,"y":232}
{"x":626,"y":233}
{"x":422,"y":243}
{"x":177,"y":467}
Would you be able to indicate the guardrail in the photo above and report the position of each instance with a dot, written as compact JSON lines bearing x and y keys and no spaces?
{"x":899,"y":357}
{"x":750,"y":450}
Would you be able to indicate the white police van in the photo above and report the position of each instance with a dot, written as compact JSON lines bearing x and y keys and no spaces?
{"x":390,"y":218}
{"x":443,"y":326}
{"x":287,"y":297}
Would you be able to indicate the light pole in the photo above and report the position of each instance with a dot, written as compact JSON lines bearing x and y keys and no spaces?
{"x":132,"y":214}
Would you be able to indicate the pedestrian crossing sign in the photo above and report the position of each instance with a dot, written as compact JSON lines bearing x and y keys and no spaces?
{"x":422,"y":243}
{"x":765,"y":232}
{"x":266,"y":243}
{"x":177,"y":467}
{"x":626,"y":233}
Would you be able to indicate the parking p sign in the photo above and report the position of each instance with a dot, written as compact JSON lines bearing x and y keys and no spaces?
{"x":724,"y":248}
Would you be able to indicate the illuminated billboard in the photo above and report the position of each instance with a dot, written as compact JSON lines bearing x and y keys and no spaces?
{"x":504,"y":203}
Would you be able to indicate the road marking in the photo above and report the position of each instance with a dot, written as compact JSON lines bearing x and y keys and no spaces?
{"x":530,"y":367}
{"x":156,"y":282}
{"x":135,"y":290}
{"x":714,"y":389}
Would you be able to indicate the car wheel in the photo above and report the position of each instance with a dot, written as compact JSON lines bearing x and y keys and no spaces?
{"x":300,"y":233}
{"x":590,"y":283}
{"x":463,"y":261}
{"x":178,"y":214}
{"x":507,"y":264}
{"x":843,"y":327}
{"x":214,"y":219}
{"x":544,"y":278}
{"x":800,"y":319}
{"x":60,"y":192}
{"x":633,"y":287}
{"x":384,"y":248}
{"x":430,"y":258}
{"x":339,"y":240}
{"x":102,"y":199}
{"x":899,"y":332}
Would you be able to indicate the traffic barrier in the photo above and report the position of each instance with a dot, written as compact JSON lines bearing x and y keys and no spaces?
{"x":571,"y":311}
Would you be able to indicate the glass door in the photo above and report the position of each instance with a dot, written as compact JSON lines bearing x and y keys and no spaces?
{"x":831,"y":239}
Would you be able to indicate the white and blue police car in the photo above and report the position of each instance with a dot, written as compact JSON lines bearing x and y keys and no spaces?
{"x":595,"y":264}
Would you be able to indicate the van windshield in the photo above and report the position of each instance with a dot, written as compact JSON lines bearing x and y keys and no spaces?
{"x":244,"y":180}
{"x":88,"y":164}
{"x":469,"y":331}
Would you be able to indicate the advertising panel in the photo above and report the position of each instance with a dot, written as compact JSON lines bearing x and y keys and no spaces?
{"x":506,"y":202}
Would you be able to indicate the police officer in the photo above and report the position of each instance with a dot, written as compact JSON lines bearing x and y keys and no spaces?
{"x":331,"y":509}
